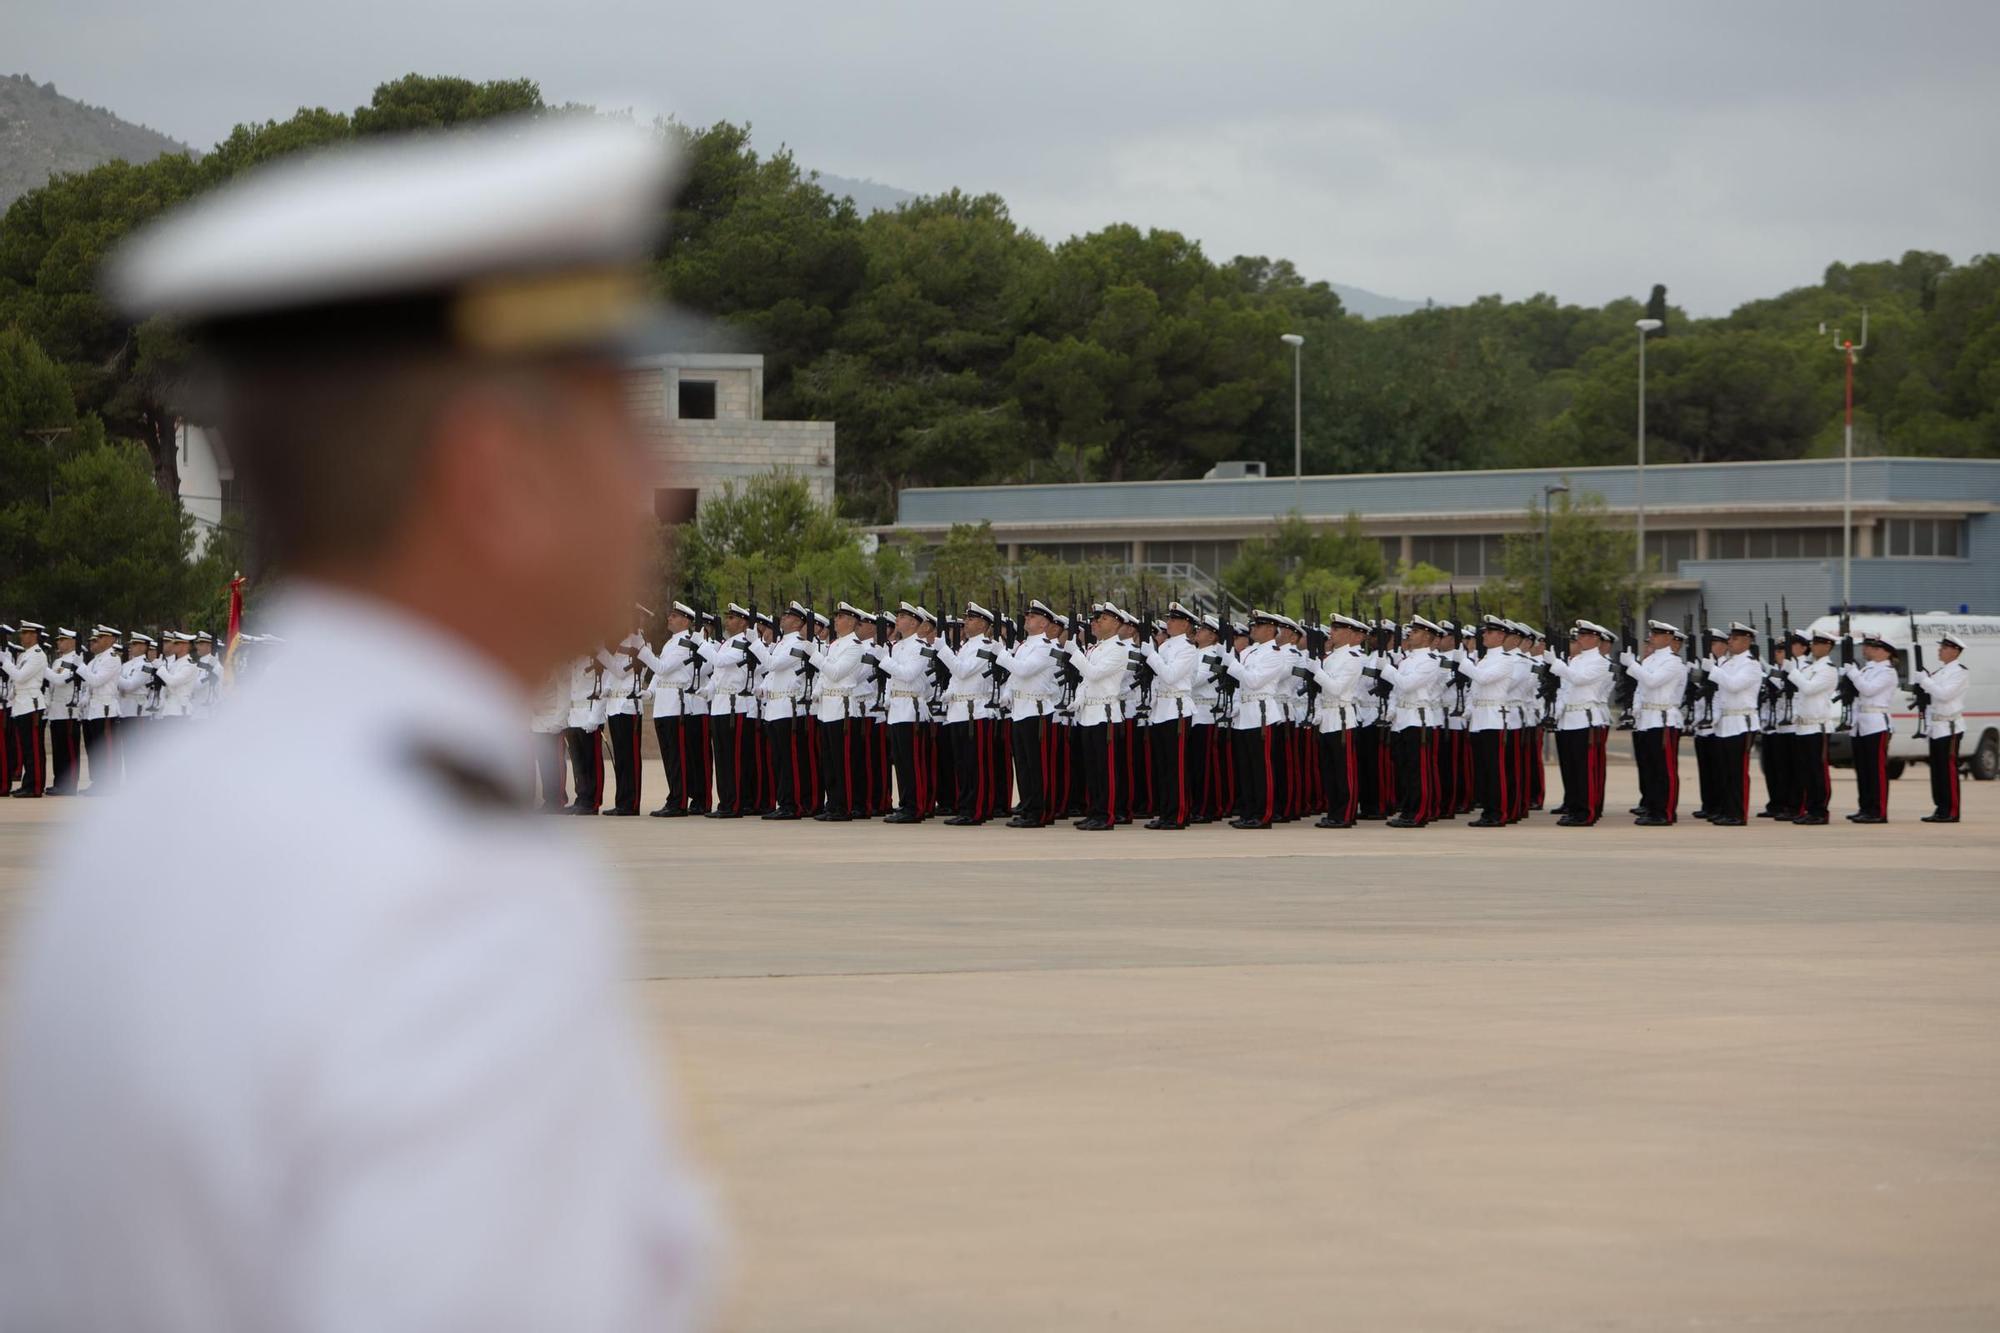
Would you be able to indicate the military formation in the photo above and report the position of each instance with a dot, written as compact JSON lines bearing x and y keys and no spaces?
{"x":1103,"y":717}
{"x":74,"y":701}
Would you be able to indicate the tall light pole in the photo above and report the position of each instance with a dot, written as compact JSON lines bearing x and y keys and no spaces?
{"x":1645,"y":326}
{"x":1297,"y":341}
{"x":1549,"y":492}
{"x":1848,"y":351}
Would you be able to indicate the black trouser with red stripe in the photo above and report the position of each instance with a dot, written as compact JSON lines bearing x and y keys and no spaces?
{"x":549,"y":768}
{"x":1097,"y":756}
{"x":1578,"y":758}
{"x":790,"y":768}
{"x":1871,"y":773}
{"x":836,"y":764}
{"x":1944,"y":775}
{"x":66,"y":754}
{"x":1489,"y":772}
{"x":27,"y":753}
{"x":1656,"y":750}
{"x":586,"y":763}
{"x":1368,"y":770}
{"x":1815,"y":773}
{"x":1034,"y":768}
{"x":1255,"y":774}
{"x":1339,"y":774}
{"x":1774,"y":756}
{"x":100,"y":747}
{"x":624,"y":729}
{"x":906,"y":755}
{"x":1413,"y":772}
{"x":1201,"y":770}
{"x":1732,"y":776}
{"x":725,"y":737}
{"x":1169,"y":740}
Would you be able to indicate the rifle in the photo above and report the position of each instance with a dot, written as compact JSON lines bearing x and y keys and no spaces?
{"x":1921,"y":695}
{"x":1845,"y":689}
{"x":1628,"y":686}
{"x":1791,"y":686}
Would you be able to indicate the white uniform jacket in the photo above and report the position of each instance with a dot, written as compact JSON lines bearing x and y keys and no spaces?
{"x":1338,"y":675}
{"x":1875,"y":696}
{"x":102,"y":673}
{"x":729,"y":665}
{"x":1738,"y":678}
{"x":29,"y":676}
{"x":1814,"y":709}
{"x":177,"y":682}
{"x":1174,"y":665}
{"x":969,"y":697}
{"x":1946,"y":685}
{"x":1419,"y":680}
{"x":1660,"y":683}
{"x":1032,"y":685}
{"x":1100,"y":696}
{"x":784,"y":678}
{"x":841,"y":683}
{"x":1260,"y":674}
{"x":1588,"y":703}
{"x":676,"y":669}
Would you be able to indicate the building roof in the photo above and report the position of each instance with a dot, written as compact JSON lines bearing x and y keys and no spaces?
{"x":1938,"y":484}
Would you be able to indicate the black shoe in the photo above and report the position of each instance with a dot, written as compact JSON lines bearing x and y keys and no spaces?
{"x":1771,"y":814}
{"x":668,"y":812}
{"x":904,"y":817}
{"x":1483,"y":822}
{"x":1328,"y":821}
{"x":1400,"y":822}
{"x":1247,"y":823}
{"x":1091,"y":825}
{"x":1854,"y":818}
{"x":1018,"y":822}
{"x":722,"y":814}
{"x":586,"y":811}
{"x":24,"y":793}
{"x":959,"y":821}
{"x":1701,"y":814}
{"x":1568,"y":821}
{"x":1871,"y":819}
{"x":1649,"y":821}
{"x":1636,"y":810}
{"x":1940,"y":819}
{"x":1725,"y":821}
{"x":1810,"y":819}
{"x":780,"y":814}
{"x":614,"y":810}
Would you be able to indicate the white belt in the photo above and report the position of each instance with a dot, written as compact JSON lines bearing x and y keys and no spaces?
{"x":1739,"y":712}
{"x":904,"y":694}
{"x":1172,"y":694}
{"x":1870,"y":708}
{"x":1492,"y":703}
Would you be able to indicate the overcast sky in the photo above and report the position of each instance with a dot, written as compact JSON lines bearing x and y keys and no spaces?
{"x":1729,"y":150}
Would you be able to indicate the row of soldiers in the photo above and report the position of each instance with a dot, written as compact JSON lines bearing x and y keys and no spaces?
{"x":1189,"y":719}
{"x":71,"y":699}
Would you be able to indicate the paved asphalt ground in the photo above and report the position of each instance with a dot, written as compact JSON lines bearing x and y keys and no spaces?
{"x":1533,"y":1079}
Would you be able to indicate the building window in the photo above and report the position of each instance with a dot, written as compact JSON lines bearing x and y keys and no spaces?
{"x":675,"y":504}
{"x":1666,"y":550}
{"x":1923,"y":537}
{"x":1209,"y":557}
{"x":1772,"y":543}
{"x":697,"y":400}
{"x":1079,"y":553}
{"x":1479,"y":556}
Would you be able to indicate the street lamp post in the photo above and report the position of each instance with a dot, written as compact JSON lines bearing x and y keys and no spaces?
{"x":1645,"y":326}
{"x":1848,"y":350}
{"x":1549,"y":492}
{"x":1296,"y":341}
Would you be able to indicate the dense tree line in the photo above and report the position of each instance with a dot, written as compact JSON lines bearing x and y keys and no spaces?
{"x":952,"y":346}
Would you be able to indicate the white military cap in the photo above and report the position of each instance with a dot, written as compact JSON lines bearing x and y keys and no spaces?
{"x":975,"y":609}
{"x":922,"y":613}
{"x":1176,"y":610}
{"x":1738,"y":627}
{"x":102,"y":629}
{"x":685,"y":610}
{"x":1037,"y":607}
{"x":64,"y":632}
{"x":1061,"y":620}
{"x":1106,"y":609}
{"x":910,"y":609}
{"x":1422,"y":622}
{"x":1662,"y":627}
{"x":136,"y":637}
{"x":1348,"y":622}
{"x":850,"y":609}
{"x":819,"y":618}
{"x":35,"y":625}
{"x":204,"y":637}
{"x":511,"y":238}
{"x":736,"y":609}
{"x":1213,"y":623}
{"x":1592,"y":627}
{"x":1952,"y":640}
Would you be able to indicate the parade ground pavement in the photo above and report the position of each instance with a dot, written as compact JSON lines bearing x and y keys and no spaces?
{"x":953,"y":1080}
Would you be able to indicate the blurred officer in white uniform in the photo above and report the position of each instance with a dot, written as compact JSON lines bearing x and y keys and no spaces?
{"x":383,"y":1074}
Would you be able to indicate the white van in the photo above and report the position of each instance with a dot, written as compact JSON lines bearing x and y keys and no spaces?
{"x":1979,"y":752}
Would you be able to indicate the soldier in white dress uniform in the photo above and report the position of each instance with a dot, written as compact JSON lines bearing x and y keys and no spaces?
{"x":1940,"y":694}
{"x":383,"y":1072}
{"x":28,"y":687}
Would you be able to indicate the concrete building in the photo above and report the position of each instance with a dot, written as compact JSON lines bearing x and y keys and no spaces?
{"x":705,"y":416}
{"x":208,"y":482}
{"x":1926,"y":530}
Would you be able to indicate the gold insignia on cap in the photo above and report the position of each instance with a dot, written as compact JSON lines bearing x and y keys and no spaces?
{"x":525,"y":313}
